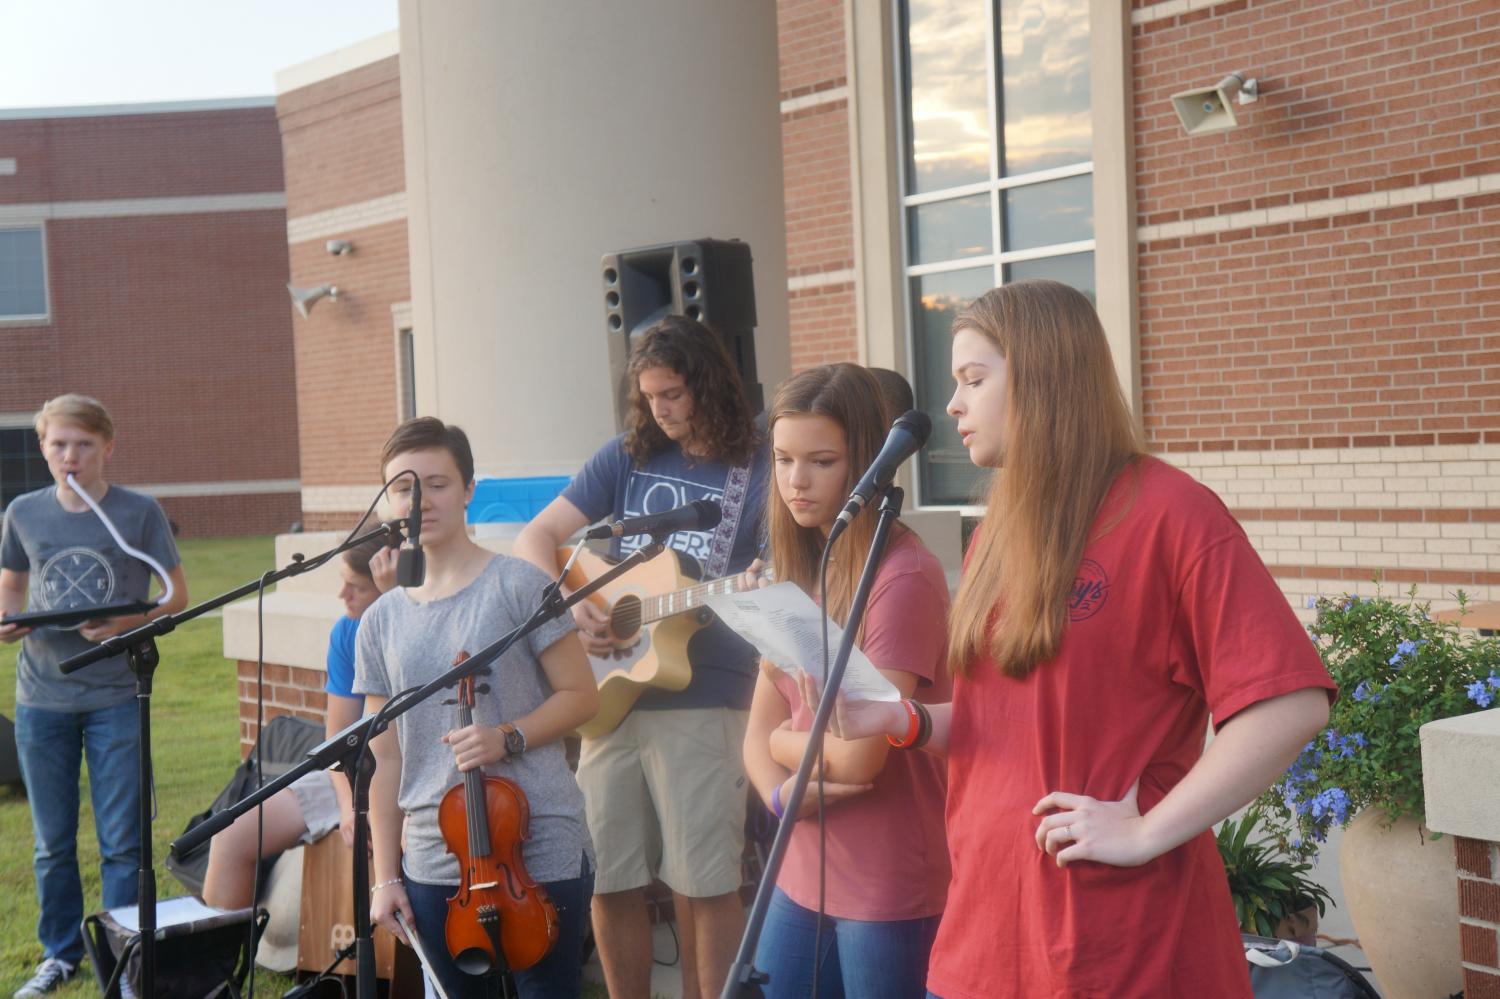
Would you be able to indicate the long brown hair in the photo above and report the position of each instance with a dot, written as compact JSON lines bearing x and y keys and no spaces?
{"x":1069,"y":434}
{"x":850,"y":396}
{"x":722,"y":420}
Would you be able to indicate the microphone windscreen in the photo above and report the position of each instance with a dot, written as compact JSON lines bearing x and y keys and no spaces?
{"x":709,"y":514}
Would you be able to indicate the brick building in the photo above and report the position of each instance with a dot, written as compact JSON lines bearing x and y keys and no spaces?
{"x":1304,"y":308}
{"x":142,"y":258}
{"x":340,"y":123}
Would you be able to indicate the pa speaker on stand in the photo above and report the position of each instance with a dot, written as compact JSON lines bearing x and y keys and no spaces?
{"x":707,"y":280}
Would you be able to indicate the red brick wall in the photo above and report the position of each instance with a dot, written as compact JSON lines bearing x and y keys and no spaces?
{"x":342,"y":142}
{"x":341,"y":138}
{"x":816,"y":166}
{"x":175,"y":154}
{"x":1478,"y":914}
{"x":177,"y":323}
{"x":232,"y":516}
{"x":1363,"y":328}
{"x":288,"y":690}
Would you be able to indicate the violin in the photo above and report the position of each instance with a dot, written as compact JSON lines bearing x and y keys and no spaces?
{"x":499,"y":919}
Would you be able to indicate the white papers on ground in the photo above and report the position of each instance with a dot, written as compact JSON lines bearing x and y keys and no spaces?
{"x":786,"y":627}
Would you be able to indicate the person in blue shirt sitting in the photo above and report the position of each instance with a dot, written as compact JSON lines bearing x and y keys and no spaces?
{"x":321,"y":801}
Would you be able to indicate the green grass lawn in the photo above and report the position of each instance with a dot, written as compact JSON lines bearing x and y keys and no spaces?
{"x":195,"y":747}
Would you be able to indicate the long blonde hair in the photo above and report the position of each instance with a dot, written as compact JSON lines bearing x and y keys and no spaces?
{"x":850,"y":396}
{"x":1069,"y":434}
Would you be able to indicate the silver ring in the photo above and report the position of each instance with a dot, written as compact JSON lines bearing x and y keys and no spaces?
{"x":1067,"y":832}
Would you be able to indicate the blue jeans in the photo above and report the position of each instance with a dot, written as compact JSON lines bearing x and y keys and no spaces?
{"x":559,"y":974}
{"x":860,"y":959}
{"x":51,"y":745}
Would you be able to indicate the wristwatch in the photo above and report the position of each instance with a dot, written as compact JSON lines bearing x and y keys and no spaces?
{"x":515,"y":740}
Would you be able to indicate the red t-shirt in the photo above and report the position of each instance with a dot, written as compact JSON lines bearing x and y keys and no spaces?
{"x":887,"y":856}
{"x":1174,"y":617}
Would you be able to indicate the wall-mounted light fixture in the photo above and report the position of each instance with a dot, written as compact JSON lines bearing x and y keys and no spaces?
{"x":305,"y":298}
{"x":339,"y":247}
{"x":1208,"y":109}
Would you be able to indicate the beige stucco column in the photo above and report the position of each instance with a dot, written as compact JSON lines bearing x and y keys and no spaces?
{"x":540,"y":136}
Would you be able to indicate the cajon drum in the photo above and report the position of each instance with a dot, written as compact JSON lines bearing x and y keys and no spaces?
{"x":327,"y":923}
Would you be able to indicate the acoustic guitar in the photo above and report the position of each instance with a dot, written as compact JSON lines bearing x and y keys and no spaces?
{"x":654,"y":610}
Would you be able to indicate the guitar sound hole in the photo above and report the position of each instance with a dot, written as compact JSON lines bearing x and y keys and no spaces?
{"x":625,"y":617}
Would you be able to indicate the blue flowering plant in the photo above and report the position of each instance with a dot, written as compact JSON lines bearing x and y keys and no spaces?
{"x":1397,"y":669}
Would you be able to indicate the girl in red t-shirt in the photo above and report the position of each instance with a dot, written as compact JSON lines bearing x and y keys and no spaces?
{"x":1110,"y":605}
{"x":886,"y":861}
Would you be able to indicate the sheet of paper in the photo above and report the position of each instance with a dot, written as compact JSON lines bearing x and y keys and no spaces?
{"x":168,"y":913}
{"x":786,"y":626}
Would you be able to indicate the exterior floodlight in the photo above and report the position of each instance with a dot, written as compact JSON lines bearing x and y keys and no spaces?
{"x":339,"y":247}
{"x":1208,"y":110}
{"x":305,"y":298}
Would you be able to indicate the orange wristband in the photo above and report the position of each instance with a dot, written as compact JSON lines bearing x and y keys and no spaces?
{"x":913,"y":727}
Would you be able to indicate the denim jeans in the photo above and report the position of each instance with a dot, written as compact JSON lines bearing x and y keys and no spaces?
{"x":51,"y":745}
{"x":559,"y":974}
{"x":861,"y":959}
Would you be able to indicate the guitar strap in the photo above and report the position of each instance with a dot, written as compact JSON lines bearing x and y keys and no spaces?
{"x":719,"y":549}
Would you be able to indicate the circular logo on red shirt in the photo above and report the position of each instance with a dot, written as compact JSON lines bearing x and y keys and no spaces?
{"x":1090,"y":590}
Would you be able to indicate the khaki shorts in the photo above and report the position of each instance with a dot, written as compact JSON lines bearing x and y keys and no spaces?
{"x":665,"y":794}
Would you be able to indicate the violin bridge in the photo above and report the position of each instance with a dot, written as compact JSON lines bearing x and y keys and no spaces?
{"x":483,"y":885}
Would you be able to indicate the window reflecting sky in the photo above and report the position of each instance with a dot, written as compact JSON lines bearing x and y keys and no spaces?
{"x":950,"y":128}
{"x":1043,"y":51}
{"x":1044,"y":57}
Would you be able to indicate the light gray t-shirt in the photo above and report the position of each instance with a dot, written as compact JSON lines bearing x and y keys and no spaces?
{"x":403,"y":643}
{"x":73,"y":562}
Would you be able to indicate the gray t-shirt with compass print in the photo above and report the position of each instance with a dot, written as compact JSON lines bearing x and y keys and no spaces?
{"x":72,"y":561}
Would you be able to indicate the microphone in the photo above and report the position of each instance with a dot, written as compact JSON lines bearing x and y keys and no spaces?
{"x":908,"y":434}
{"x":411,"y":563}
{"x":699,"y":515}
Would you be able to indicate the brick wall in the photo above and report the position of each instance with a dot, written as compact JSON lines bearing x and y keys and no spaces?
{"x":815,"y":149}
{"x":345,"y":173}
{"x":177,"y":322}
{"x":289,"y":690}
{"x":176,"y":154}
{"x":1479,"y":916}
{"x":1320,"y":287}
{"x":1340,"y":286}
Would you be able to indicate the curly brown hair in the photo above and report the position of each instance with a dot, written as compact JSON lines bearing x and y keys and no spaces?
{"x":722,"y":420}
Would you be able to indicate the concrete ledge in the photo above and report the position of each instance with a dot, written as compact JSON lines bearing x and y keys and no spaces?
{"x":297,"y":627}
{"x":1461,"y":775}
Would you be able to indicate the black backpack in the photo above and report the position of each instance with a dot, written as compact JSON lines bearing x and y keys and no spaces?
{"x":284,"y":742}
{"x":1281,"y":969}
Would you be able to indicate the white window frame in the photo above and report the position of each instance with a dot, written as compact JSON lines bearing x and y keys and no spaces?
{"x":44,"y":317}
{"x":998,"y":257}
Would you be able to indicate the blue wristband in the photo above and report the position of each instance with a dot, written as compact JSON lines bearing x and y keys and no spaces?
{"x":777,"y":808}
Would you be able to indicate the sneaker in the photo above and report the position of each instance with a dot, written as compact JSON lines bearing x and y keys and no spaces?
{"x":49,"y":975}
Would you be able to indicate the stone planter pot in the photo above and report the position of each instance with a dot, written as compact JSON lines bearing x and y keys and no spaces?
{"x":1399,"y":891}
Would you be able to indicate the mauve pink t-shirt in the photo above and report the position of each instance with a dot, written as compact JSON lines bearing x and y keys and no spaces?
{"x":887,"y":849}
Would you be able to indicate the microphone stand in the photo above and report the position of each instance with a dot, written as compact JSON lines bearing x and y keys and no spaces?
{"x":349,"y":749}
{"x":141,"y":653}
{"x":744,"y":980}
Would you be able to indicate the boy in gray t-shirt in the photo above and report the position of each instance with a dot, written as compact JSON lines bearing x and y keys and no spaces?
{"x":56,"y":554}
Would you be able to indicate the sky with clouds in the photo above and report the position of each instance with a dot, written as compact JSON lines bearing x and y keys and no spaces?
{"x":70,"y":52}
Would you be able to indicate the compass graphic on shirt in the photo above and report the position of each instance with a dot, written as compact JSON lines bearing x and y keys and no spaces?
{"x":76,"y":577}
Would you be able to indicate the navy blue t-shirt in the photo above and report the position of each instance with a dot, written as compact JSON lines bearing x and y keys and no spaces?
{"x":611,"y":485}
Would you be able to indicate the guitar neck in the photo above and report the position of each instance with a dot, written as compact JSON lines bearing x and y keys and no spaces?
{"x":689,"y":599}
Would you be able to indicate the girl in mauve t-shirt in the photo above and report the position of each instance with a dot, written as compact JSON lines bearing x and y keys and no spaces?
{"x":1110,"y":606}
{"x":886,"y":860}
